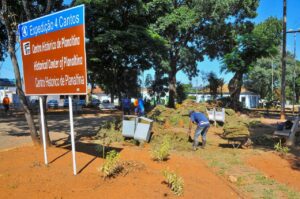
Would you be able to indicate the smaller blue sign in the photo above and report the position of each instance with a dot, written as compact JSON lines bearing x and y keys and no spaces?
{"x":53,"y":22}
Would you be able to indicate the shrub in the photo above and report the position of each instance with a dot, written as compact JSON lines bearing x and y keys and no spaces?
{"x":175,"y":182}
{"x":191,"y":97}
{"x":111,"y":166}
{"x":280,"y":148}
{"x":162,"y":151}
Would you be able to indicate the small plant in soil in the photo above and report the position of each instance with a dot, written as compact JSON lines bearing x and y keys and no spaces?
{"x":280,"y":148}
{"x":111,"y":166}
{"x":162,"y":151}
{"x":174,"y":181}
{"x":108,"y":133}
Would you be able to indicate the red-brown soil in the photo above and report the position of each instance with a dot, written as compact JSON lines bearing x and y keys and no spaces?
{"x":24,"y":175}
{"x":284,"y":169}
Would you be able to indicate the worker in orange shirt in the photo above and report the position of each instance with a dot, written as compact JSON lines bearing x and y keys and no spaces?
{"x":6,"y":102}
{"x":136,"y":108}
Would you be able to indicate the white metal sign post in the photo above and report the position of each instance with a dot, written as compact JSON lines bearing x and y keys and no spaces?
{"x":54,"y":60}
{"x":43,"y":129}
{"x":72,"y":134}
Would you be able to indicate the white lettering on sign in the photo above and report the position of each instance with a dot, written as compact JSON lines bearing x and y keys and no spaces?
{"x":67,"y":80}
{"x":73,"y":61}
{"x":68,"y":21}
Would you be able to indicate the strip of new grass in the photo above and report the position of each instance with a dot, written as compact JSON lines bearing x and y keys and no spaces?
{"x":230,"y":162}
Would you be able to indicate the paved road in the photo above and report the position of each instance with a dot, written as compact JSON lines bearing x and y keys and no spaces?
{"x":14,"y":131}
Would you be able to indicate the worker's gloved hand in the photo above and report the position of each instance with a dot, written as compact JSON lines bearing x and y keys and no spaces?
{"x":190,"y":139}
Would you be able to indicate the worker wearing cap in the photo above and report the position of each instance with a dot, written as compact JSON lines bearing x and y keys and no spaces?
{"x":202,"y":127}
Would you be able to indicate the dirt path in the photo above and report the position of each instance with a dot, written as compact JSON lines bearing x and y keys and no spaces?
{"x":23,"y":175}
{"x":283,"y":169}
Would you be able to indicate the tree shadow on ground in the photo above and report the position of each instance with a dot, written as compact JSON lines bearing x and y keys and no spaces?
{"x":90,"y":149}
{"x":18,"y":134}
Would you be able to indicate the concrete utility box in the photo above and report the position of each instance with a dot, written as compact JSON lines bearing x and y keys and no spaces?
{"x":129,"y":125}
{"x":211,"y":114}
{"x":143,"y":129}
{"x":220,"y":115}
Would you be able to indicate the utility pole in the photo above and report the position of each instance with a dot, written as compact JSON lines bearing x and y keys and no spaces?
{"x":272,"y":83}
{"x":283,"y":61}
{"x":294,"y":75}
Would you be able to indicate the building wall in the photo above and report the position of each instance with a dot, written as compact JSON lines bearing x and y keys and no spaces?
{"x":249,"y":100}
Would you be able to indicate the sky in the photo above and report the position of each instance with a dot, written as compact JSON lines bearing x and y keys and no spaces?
{"x":267,"y":8}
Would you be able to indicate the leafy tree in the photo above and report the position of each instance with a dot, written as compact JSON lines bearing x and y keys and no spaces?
{"x":213,"y":84}
{"x":193,"y":29}
{"x":259,"y":79}
{"x":120,"y":44}
{"x":261,"y":42}
{"x":12,"y":13}
{"x":181,"y":92}
{"x":221,"y":84}
{"x":188,"y":88}
{"x":292,"y":77}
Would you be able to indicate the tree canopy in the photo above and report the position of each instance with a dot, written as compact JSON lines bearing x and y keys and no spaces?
{"x":262,"y":41}
{"x":259,"y":79}
{"x":120,"y":44}
{"x":194,"y":29}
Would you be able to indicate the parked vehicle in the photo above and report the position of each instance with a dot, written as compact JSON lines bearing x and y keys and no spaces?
{"x":74,"y":103}
{"x":95,"y":102}
{"x":107,"y":106}
{"x":52,"y":103}
{"x":81,"y":103}
{"x":66,"y":102}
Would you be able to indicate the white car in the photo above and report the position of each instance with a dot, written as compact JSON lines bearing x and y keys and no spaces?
{"x":105,"y":106}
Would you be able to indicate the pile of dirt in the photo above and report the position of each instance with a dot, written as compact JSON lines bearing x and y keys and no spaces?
{"x":235,"y":125}
{"x":168,"y":118}
{"x":174,"y":123}
{"x":162,"y":114}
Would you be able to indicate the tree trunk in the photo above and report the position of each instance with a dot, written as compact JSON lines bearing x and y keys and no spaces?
{"x":283,"y":61}
{"x":172,"y":89}
{"x":112,"y":96}
{"x":9,"y":26}
{"x":28,"y":115}
{"x":235,"y":86}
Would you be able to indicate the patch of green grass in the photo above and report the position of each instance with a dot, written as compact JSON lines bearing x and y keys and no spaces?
{"x":264,"y":180}
{"x":241,"y":181}
{"x":229,"y":161}
{"x":249,"y":189}
{"x":291,"y":194}
{"x":218,"y":164}
{"x":269,"y":194}
{"x":280,"y":148}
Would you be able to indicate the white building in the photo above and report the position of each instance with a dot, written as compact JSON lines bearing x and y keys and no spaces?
{"x":247,"y":98}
